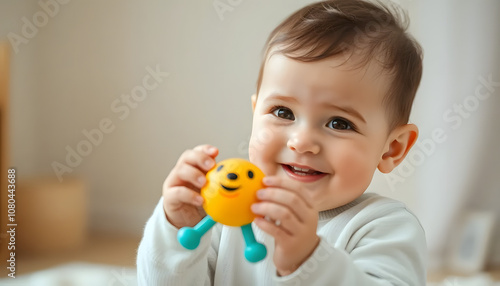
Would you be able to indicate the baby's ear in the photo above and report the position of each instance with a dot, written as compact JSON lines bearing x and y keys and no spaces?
{"x":398,"y":144}
{"x":254,"y":101}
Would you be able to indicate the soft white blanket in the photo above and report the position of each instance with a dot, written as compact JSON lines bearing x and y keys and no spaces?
{"x":77,"y":274}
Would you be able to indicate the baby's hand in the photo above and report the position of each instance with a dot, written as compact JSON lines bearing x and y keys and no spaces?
{"x":181,"y":190}
{"x":295,"y":234}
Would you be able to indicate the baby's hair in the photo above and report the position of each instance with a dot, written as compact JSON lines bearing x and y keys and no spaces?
{"x":355,"y":29}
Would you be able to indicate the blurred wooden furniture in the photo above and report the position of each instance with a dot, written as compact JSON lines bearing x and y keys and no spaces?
{"x":53,"y":217}
{"x":100,"y":248}
{"x":4,"y":148}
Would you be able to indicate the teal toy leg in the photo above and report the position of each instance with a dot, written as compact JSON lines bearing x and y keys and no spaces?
{"x":254,"y":251}
{"x":190,"y":237}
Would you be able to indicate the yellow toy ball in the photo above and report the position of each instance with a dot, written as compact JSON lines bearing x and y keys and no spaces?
{"x":230,"y":191}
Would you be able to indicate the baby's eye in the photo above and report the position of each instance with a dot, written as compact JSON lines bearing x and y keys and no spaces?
{"x":340,"y":124}
{"x":283,"y":112}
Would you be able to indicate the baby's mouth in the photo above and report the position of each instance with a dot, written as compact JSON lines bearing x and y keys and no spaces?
{"x":302,"y":171}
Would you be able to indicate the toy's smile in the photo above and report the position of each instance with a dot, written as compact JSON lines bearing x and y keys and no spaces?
{"x":229,"y":189}
{"x":229,"y":195}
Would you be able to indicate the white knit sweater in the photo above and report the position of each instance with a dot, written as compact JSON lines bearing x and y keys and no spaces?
{"x":370,"y":241}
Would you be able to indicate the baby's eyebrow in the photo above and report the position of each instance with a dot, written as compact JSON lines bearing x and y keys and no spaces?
{"x":348,"y":110}
{"x":279,"y":96}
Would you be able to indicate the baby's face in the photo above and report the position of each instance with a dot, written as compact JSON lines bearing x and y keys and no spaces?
{"x":328,"y":120}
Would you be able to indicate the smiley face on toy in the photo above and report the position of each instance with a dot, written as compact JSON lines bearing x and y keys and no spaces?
{"x":229,"y":192}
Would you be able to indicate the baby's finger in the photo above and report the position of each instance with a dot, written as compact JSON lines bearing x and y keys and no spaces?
{"x":269,"y":227}
{"x":277,"y":182}
{"x":184,"y":195}
{"x":287,"y":198}
{"x":210,"y":150}
{"x":197,"y":158}
{"x":190,"y":174}
{"x":282,"y":216}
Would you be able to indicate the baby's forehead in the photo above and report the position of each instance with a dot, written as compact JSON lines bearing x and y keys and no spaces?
{"x":330,"y":74}
{"x":355,"y":62}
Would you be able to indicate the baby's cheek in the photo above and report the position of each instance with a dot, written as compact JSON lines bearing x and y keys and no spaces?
{"x":264,"y":147}
{"x":253,"y":151}
{"x":263,"y":136}
{"x":355,"y":171}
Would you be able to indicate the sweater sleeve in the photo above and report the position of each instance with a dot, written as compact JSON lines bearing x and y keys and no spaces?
{"x":161,"y":260}
{"x":388,"y":250}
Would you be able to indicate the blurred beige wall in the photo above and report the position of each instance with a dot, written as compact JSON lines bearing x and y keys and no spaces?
{"x":460,"y":96}
{"x":23,"y":88}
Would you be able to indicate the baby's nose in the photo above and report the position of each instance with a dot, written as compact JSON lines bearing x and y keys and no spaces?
{"x":232,"y":176}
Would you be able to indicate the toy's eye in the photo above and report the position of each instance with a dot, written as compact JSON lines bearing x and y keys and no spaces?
{"x":219,"y":168}
{"x":250,"y":174}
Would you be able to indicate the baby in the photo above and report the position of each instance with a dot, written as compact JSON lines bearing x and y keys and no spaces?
{"x":333,"y":99}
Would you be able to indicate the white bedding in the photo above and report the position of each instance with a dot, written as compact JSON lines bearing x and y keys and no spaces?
{"x":76,"y":274}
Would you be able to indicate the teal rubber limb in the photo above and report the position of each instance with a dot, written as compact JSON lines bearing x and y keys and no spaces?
{"x":254,"y":251}
{"x":190,"y":237}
